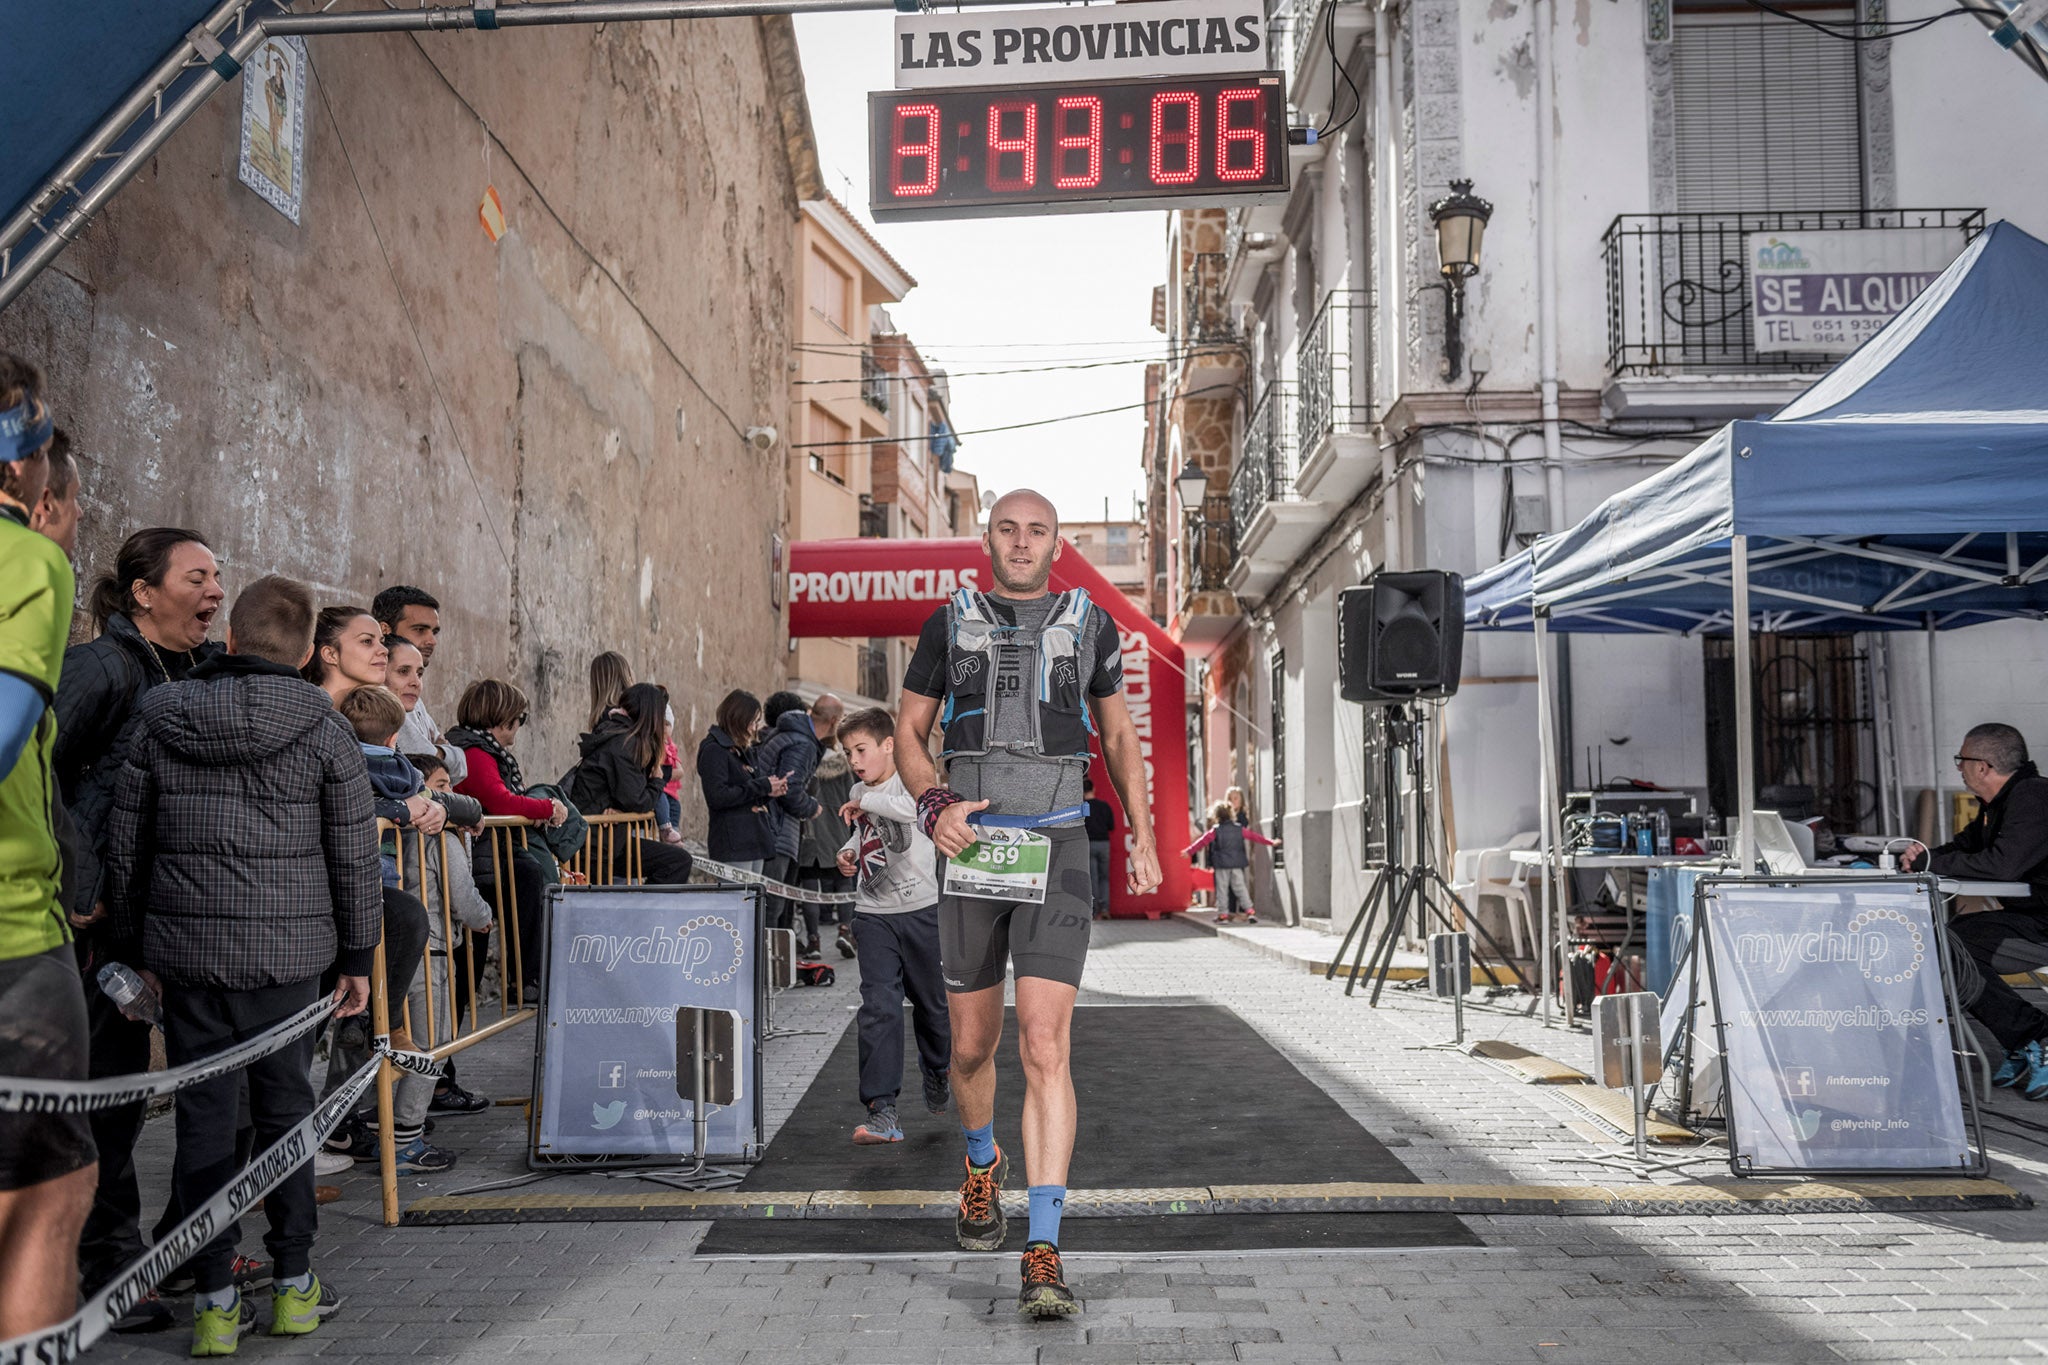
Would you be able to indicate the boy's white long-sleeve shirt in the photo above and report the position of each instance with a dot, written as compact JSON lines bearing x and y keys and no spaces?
{"x":896,"y":868}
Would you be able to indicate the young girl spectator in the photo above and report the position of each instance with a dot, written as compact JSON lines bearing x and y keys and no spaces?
{"x":617,"y":773}
{"x":488,"y":718}
{"x":668,"y":802}
{"x":1229,"y":858}
{"x":734,"y":794}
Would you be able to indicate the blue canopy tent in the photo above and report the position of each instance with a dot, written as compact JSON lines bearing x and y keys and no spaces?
{"x":1906,"y":490}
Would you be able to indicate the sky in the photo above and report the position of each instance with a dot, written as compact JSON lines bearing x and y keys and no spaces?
{"x":1007,"y":294}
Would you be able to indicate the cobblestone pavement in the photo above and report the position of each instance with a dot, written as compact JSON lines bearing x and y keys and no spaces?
{"x":1731,"y":1288}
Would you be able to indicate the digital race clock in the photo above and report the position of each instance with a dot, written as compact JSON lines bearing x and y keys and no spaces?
{"x":1074,"y":148}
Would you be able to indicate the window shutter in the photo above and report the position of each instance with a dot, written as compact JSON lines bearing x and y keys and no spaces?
{"x":1766,"y":114}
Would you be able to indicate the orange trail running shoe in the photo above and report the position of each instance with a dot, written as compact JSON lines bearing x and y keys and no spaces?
{"x":979,"y":1224}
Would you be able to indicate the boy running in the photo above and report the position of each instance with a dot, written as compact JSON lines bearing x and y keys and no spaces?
{"x":895,"y":929}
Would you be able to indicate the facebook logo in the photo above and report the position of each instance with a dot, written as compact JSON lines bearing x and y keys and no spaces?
{"x":611,"y":1075}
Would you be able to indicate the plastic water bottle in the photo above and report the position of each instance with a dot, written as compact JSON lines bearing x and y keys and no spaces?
{"x":1663,"y":818}
{"x":131,"y":994}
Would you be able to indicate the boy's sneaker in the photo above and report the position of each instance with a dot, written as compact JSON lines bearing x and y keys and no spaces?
{"x":217,"y":1331}
{"x":2019,"y":1068}
{"x":354,"y":1140}
{"x":332,"y":1163}
{"x":420,"y":1157}
{"x":879,"y":1127}
{"x":812,"y":951}
{"x":979,"y":1224}
{"x":938,"y":1092}
{"x":295,"y":1312}
{"x":1223,"y":918}
{"x":1251,"y":917}
{"x":1044,"y":1292}
{"x":453,"y":1099}
{"x":845,"y":941}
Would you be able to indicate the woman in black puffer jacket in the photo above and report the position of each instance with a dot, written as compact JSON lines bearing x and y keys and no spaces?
{"x":616,"y":774}
{"x":154,"y":612}
{"x":735,"y":795}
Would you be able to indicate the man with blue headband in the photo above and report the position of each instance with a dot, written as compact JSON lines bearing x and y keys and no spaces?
{"x":47,"y":1163}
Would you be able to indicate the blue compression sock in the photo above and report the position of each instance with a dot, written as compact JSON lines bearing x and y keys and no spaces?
{"x":1046,"y":1203}
{"x":981,"y":1143}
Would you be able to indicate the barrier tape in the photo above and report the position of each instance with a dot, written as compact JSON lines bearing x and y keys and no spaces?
{"x":71,"y":1338}
{"x":726,"y":872}
{"x":33,"y":1095}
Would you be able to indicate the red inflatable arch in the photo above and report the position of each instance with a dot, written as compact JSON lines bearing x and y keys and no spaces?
{"x":889,"y":587}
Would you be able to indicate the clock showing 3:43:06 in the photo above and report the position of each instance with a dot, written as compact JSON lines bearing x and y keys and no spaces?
{"x":960,"y":153}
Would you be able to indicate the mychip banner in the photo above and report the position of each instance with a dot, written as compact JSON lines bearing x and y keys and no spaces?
{"x":1835,"y":1019}
{"x":621,"y":962}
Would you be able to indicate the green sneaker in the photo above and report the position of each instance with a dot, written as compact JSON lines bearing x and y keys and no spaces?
{"x":295,"y":1312}
{"x":217,"y":1331}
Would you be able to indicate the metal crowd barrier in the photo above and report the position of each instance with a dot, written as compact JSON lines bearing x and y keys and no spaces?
{"x":502,"y":838}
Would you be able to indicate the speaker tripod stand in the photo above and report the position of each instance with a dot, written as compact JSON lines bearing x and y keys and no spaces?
{"x":1402,"y":888}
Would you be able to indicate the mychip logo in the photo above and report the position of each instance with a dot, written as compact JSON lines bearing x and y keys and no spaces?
{"x":1887,"y":948}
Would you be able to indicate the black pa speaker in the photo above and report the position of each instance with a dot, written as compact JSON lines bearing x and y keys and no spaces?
{"x":1401,"y":636}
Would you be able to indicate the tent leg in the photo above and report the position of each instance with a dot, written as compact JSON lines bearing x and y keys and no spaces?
{"x":1934,"y":731}
{"x":1745,"y":708}
{"x":1545,"y":816}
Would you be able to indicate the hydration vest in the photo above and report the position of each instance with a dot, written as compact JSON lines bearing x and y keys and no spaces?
{"x":1060,"y":723}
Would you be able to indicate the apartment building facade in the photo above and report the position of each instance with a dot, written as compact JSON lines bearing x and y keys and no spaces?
{"x":872,"y":443}
{"x":1352,"y":411}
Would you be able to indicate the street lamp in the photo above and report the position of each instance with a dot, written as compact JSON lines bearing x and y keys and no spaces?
{"x":1192,"y":483}
{"x":1460,"y":219}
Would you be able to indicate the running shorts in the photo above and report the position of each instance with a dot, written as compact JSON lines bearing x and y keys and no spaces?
{"x":977,"y":937}
{"x":42,"y":1036}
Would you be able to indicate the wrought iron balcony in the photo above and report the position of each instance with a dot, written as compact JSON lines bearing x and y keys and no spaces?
{"x":1678,"y":288}
{"x":1266,"y":471}
{"x":874,"y":382}
{"x":1206,"y":547}
{"x":1336,"y":383}
{"x":1205,"y":316}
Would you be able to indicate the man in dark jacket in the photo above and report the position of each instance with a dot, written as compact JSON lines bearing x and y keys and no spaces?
{"x":790,"y":752}
{"x":242,"y":858}
{"x":2007,"y":842}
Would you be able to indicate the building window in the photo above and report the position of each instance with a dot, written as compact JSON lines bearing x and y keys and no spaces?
{"x":831,"y":291}
{"x":1766,"y":111}
{"x":829,"y":451}
{"x":1278,"y":810}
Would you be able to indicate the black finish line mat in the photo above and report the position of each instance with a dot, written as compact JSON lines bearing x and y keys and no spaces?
{"x":1172,"y":1098}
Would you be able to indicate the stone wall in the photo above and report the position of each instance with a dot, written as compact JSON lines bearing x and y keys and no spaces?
{"x":544,"y":431}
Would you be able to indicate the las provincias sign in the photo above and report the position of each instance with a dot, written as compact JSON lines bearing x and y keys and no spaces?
{"x":1081,"y":43}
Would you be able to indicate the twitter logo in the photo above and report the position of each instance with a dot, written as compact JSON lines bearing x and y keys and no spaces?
{"x":607,"y":1115}
{"x":1805,"y":1123}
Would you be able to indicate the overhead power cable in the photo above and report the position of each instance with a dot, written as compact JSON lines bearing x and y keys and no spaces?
{"x":1863,"y":31}
{"x":1013,"y":426}
{"x":982,"y":374}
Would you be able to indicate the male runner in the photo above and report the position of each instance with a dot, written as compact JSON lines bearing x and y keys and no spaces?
{"x":1019,"y":670}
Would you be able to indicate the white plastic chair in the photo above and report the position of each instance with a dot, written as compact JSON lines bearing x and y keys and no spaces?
{"x":1482,"y":872}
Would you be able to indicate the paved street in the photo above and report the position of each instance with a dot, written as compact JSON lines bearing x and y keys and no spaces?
{"x":1734,"y":1288}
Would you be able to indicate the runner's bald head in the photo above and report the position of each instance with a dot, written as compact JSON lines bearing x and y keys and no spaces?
{"x":1028,"y":506}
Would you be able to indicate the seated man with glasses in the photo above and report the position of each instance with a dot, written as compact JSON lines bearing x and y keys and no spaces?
{"x":2007,"y":842}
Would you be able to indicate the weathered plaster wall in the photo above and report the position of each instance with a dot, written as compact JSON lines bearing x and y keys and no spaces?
{"x":544,"y":431}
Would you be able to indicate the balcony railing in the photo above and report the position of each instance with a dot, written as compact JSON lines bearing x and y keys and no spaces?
{"x":1335,"y":374}
{"x":873,"y":671}
{"x":1266,"y":472}
{"x":1204,"y":315}
{"x":1207,"y":547}
{"x":874,"y":382}
{"x":1678,"y":295}
{"x":1234,"y":233}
